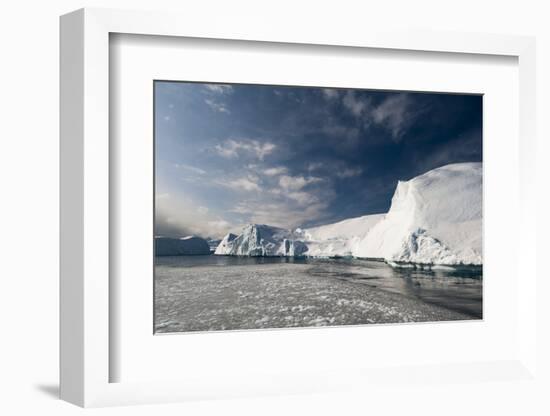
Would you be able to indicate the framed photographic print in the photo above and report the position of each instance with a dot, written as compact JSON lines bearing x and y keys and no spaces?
{"x":281,"y":207}
{"x":260,"y":213}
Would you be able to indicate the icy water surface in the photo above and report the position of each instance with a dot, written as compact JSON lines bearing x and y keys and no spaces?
{"x":211,"y":293}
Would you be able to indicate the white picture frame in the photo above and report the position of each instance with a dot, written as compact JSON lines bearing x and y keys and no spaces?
{"x":86,"y":301}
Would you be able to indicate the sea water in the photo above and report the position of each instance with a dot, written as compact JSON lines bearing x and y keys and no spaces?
{"x":212,"y":293}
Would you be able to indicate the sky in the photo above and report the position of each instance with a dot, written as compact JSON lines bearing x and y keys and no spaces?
{"x":228,"y":155}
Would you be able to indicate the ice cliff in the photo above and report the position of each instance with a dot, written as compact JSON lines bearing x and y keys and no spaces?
{"x":435,"y":218}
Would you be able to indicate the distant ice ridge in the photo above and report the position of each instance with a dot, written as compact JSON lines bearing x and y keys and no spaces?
{"x":190,"y":245}
{"x":435,"y":218}
{"x":213,"y":244}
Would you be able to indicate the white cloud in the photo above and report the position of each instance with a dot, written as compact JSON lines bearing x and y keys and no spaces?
{"x":248,"y":184}
{"x":280,"y":213}
{"x":228,"y":151}
{"x":289,"y":202}
{"x":219,"y":88}
{"x":219,"y":227}
{"x":394,"y":113}
{"x":357,"y":106}
{"x":180,"y":217}
{"x":295,"y":183}
{"x":341,"y":132}
{"x":349,"y":172}
{"x":280,"y":170}
{"x":233,"y":148}
{"x":330,"y":93}
{"x":190,"y":168}
{"x":217,"y":106}
{"x":303,"y":198}
{"x":314,"y":166}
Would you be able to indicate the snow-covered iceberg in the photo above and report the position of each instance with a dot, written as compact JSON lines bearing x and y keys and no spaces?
{"x":435,"y":218}
{"x":332,"y":240}
{"x":225,"y":246}
{"x":339,"y":239}
{"x":190,"y":245}
{"x":261,"y":240}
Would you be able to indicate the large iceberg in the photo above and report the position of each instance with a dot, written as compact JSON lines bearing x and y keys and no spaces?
{"x":190,"y":245}
{"x":435,"y":218}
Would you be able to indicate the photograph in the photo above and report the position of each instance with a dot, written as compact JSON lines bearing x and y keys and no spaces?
{"x":282,"y":206}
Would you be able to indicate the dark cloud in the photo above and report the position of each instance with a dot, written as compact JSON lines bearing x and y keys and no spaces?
{"x":298,"y":156}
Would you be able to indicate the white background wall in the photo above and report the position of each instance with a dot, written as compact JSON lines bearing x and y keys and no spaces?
{"x":29,"y":207}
